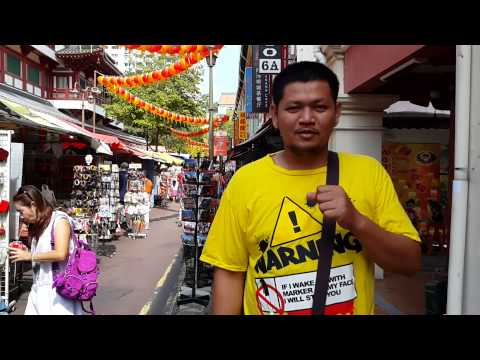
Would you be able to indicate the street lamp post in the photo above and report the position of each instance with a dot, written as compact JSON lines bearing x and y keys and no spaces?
{"x":95,"y":91}
{"x":83,"y":110}
{"x":80,"y":92}
{"x":211,"y":59}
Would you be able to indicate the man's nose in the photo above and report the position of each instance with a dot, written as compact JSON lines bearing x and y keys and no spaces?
{"x":306,"y":115}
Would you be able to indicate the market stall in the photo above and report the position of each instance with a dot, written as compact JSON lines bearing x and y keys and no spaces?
{"x":199,"y":203}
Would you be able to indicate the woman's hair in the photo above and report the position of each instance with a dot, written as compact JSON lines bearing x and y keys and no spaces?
{"x":29,"y":194}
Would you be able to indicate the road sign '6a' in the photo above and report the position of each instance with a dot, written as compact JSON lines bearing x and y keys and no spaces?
{"x":270,"y":66}
{"x":269,"y":59}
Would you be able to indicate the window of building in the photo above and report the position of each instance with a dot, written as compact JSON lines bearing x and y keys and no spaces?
{"x":61,"y":82}
{"x":33,"y":75}
{"x":83,"y":83}
{"x":14,"y":65}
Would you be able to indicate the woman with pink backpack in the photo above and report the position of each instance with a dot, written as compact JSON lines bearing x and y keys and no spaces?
{"x":52,"y":242}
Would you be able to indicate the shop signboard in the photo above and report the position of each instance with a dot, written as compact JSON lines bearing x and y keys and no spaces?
{"x":242,"y":127}
{"x":235,"y":130}
{"x":261,"y":83}
{"x":416,"y":175}
{"x":134,"y":166}
{"x":220,"y":146}
{"x":268,"y":60}
{"x":249,"y":90}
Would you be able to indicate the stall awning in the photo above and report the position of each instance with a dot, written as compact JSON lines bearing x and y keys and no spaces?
{"x":173,"y":159}
{"x":159,"y":157}
{"x":56,"y":123}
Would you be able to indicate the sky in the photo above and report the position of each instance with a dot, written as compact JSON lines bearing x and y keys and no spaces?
{"x":225,"y":72}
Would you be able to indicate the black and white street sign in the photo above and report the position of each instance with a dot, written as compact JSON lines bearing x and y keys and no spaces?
{"x":269,"y":59}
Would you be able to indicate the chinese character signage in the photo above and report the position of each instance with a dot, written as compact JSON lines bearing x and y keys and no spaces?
{"x":220,"y":145}
{"x":268,"y":60}
{"x":235,"y":131}
{"x":249,"y":89}
{"x":242,"y":127}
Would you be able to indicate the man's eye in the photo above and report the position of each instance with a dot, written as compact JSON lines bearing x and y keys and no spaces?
{"x":293,"y":108}
{"x":321,"y":108}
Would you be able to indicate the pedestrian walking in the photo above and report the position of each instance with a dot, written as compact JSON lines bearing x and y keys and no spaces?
{"x":47,"y":254}
{"x":266,"y":242}
{"x":148,"y":194}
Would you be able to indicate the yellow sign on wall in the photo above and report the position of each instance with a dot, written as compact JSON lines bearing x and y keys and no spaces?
{"x":243,"y":126}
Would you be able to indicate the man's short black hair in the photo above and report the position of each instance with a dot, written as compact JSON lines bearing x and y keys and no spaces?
{"x":304,"y":71}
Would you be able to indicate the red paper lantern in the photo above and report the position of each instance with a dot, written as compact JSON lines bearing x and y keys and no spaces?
{"x":156,"y":75}
{"x":171,"y":70}
{"x":177,"y":67}
{"x":165,"y":73}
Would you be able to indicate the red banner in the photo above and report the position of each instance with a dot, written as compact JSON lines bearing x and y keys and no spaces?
{"x":220,"y":146}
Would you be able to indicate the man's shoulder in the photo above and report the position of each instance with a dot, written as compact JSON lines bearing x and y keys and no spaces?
{"x":249,"y":173}
{"x":355,"y":161}
{"x":253,"y":167}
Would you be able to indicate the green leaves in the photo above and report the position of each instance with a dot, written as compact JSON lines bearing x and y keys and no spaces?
{"x":179,"y":94}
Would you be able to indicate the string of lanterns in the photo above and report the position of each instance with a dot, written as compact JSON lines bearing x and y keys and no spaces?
{"x":170,"y":49}
{"x":158,"y":111}
{"x":185,"y":134}
{"x":185,"y":62}
{"x":189,"y":55}
{"x":197,"y":144}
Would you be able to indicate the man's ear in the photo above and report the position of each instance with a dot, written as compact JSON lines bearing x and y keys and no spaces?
{"x":338,"y":112}
{"x":273,"y":115}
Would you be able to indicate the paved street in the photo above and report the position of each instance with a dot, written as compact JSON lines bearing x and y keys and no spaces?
{"x":129,"y":277}
{"x":144,"y":276}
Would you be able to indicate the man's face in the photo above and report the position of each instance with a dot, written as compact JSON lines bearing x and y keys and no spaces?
{"x":306,"y":116}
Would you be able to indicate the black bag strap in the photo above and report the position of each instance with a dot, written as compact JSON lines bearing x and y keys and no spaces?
{"x":325,"y":247}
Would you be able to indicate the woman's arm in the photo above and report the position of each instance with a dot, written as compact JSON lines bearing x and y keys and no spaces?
{"x":62,"y":239}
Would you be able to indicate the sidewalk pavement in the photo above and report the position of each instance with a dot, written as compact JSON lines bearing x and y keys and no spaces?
{"x":130,"y":269}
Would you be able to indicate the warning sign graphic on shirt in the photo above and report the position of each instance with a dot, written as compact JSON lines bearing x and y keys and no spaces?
{"x":293,"y":223}
{"x":293,"y":294}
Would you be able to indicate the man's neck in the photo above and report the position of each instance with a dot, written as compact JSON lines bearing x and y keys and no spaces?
{"x":306,"y":161}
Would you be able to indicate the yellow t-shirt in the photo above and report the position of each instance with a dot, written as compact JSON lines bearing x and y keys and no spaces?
{"x":264,"y":226}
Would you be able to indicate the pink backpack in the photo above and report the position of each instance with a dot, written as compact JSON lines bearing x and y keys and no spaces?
{"x":79,"y":281}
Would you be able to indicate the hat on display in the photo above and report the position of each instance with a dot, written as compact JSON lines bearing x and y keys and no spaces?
{"x":3,"y":154}
{"x":4,"y":206}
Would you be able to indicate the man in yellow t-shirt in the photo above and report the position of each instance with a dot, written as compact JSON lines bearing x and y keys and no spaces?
{"x":264,"y":241}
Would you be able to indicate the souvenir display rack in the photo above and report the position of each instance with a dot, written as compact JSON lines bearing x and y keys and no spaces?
{"x":198,"y":206}
{"x":85,"y":202}
{"x":109,"y":201}
{"x":164,"y":189}
{"x":137,"y":202}
{"x":5,"y":269}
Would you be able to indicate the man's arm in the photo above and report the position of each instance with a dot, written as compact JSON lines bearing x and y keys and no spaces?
{"x":227,"y":292}
{"x":391,"y":251}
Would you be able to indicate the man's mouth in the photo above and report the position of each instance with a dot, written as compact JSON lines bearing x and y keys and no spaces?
{"x":306,"y":131}
{"x":306,"y":134}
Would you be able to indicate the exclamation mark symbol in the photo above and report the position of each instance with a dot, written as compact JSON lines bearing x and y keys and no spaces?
{"x":293,"y":218}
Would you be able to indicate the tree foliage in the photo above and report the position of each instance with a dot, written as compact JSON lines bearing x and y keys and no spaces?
{"x":180,"y":94}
